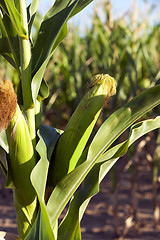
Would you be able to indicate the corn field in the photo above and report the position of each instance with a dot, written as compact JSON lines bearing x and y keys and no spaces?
{"x":126,"y":47}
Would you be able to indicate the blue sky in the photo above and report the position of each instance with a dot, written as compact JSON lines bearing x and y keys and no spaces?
{"x":83,"y":19}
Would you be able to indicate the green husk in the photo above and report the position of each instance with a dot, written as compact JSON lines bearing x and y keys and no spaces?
{"x":21,"y":161}
{"x":73,"y":141}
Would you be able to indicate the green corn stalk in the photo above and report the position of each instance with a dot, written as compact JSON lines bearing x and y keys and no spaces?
{"x":21,"y":161}
{"x":73,"y":141}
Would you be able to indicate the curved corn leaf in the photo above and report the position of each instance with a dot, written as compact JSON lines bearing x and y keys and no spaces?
{"x":38,"y":82}
{"x":41,"y":228}
{"x":15,"y":17}
{"x":31,"y":11}
{"x":61,"y":4}
{"x":48,"y":33}
{"x":47,"y":139}
{"x":25,"y":212}
{"x":52,"y":31}
{"x":48,"y":38}
{"x":37,"y":78}
{"x":90,"y":187}
{"x":43,"y":91}
{"x":131,"y":112}
{"x":81,"y":4}
{"x":9,"y":46}
{"x":5,"y":50}
{"x":115,"y":125}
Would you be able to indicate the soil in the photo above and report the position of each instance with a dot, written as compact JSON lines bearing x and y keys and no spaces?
{"x":129,"y":212}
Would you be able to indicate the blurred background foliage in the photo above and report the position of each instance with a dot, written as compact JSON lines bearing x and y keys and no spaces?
{"x":125,"y":47}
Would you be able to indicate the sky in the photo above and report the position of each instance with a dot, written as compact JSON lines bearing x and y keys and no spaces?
{"x":83,"y":19}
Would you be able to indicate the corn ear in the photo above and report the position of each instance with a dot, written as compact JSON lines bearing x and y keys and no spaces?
{"x":73,"y":141}
{"x":21,"y":154}
{"x":21,"y":161}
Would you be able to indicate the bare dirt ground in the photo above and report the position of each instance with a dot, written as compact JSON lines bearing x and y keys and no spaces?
{"x":127,"y":213}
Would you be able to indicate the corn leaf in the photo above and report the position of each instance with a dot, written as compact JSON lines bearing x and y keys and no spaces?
{"x":39,"y":86}
{"x":9,"y":45}
{"x":52,"y":31}
{"x":15,"y":17}
{"x":43,"y":91}
{"x":6,"y":51}
{"x":48,"y":38}
{"x":113,"y":127}
{"x":44,"y":46}
{"x":31,"y":11}
{"x":38,"y":82}
{"x":131,"y":112}
{"x":48,"y":34}
{"x":47,"y":139}
{"x":81,"y":4}
{"x":90,"y":187}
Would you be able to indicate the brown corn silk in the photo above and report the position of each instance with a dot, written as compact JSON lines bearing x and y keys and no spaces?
{"x":8,"y":103}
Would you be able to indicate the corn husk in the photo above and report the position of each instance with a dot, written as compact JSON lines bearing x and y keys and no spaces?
{"x":73,"y":141}
{"x":21,"y":161}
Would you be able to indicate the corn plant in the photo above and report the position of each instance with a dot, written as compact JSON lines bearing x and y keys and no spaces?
{"x":45,"y":167}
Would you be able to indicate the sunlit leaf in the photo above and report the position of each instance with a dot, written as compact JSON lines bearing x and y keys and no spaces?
{"x":48,"y":34}
{"x":31,"y":10}
{"x":115,"y":125}
{"x":47,"y":139}
{"x":15,"y":18}
{"x":9,"y":46}
{"x":90,"y":186}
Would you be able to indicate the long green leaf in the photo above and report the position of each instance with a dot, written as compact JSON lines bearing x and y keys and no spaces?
{"x":59,"y":5}
{"x":48,"y":33}
{"x":3,"y":141}
{"x":48,"y":38}
{"x":9,"y":41}
{"x":70,"y":226}
{"x":141,"y":104}
{"x":90,"y":187}
{"x":115,"y":125}
{"x":39,"y":86}
{"x":31,"y":10}
{"x":6,"y":51}
{"x":37,"y":79}
{"x":80,"y":6}
{"x":39,"y":72}
{"x":47,"y":140}
{"x":15,"y":18}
